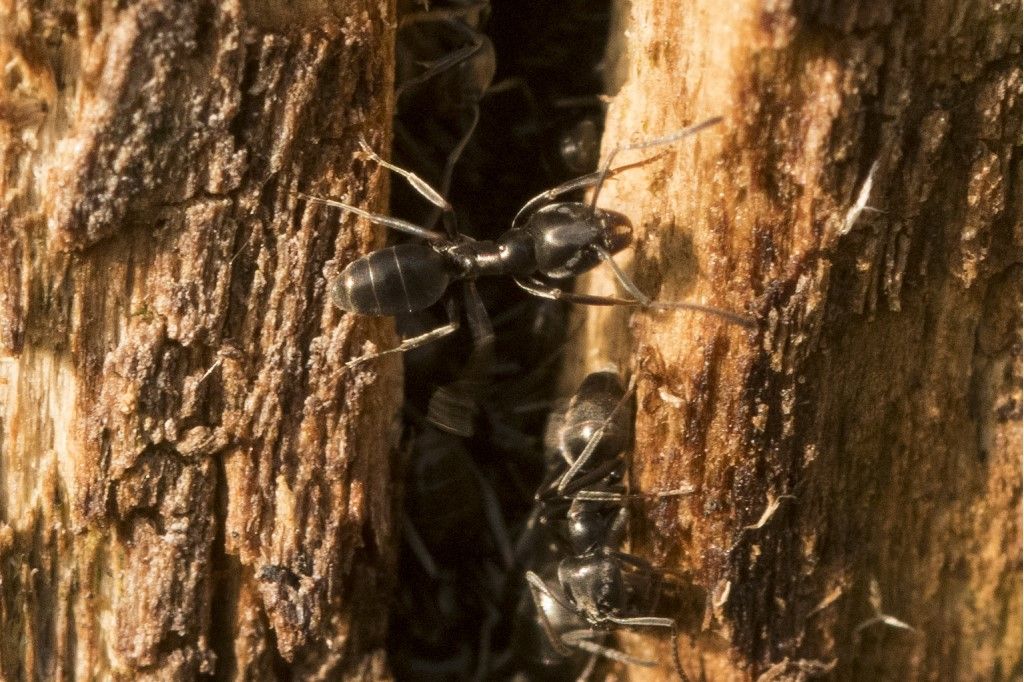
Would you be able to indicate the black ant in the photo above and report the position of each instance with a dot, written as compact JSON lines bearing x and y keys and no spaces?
{"x":552,"y":640}
{"x":602,"y":586}
{"x":552,"y":239}
{"x":450,"y":512}
{"x":606,"y":589}
{"x":596,"y":588}
{"x":591,"y":582}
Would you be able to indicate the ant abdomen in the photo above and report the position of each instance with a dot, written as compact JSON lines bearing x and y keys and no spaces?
{"x":444,"y":500}
{"x":398,"y":279}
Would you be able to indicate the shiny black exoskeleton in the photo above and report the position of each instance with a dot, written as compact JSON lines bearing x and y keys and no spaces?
{"x":559,"y":240}
{"x":606,"y":589}
{"x":597,"y":410}
{"x":547,"y":238}
{"x":584,"y":503}
{"x":551,"y":639}
{"x":586,"y":445}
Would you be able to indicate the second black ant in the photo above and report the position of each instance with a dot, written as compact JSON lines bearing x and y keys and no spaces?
{"x":587,"y":587}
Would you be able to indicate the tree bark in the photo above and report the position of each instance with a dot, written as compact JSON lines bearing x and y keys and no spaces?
{"x":192,"y":482}
{"x":856,"y":457}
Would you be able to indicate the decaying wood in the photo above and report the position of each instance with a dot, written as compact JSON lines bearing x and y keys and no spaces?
{"x":862,"y":200}
{"x":191,"y":481}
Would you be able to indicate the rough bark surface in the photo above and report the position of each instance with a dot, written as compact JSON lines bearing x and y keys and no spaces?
{"x":858,"y":455}
{"x":190,"y":481}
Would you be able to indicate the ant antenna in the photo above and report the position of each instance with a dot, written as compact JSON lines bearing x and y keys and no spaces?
{"x":645,"y":301}
{"x":666,"y":139}
{"x":417,"y":183}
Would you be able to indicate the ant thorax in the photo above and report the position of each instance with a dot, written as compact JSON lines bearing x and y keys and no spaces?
{"x":510,"y":255}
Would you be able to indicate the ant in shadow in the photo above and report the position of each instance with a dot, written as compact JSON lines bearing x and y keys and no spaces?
{"x":583,"y":587}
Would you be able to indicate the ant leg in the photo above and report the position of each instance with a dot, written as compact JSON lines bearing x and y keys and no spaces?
{"x":647,"y":302}
{"x":643,"y":621}
{"x":581,"y":639}
{"x":453,"y":406}
{"x":416,"y":341}
{"x":387,"y":221}
{"x":413,"y":149}
{"x":727,"y":315}
{"x":526,"y":541}
{"x":675,"y":654}
{"x":492,"y":510}
{"x":596,"y":474}
{"x":538,"y":288}
{"x":620,"y":525}
{"x":583,"y":181}
{"x":588,"y":451}
{"x":449,"y":169}
{"x":653,"y":621}
{"x":417,"y":183}
{"x":538,"y":590}
{"x":635,"y":561}
{"x":646,"y":144}
{"x":516,"y":83}
{"x":631,"y":288}
{"x":602,"y":496}
{"x":483,"y":653}
{"x":588,"y":669}
{"x":407,"y":344}
{"x":418,"y":547}
{"x":598,"y":178}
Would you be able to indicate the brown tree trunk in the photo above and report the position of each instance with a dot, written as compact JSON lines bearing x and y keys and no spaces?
{"x":857,"y":456}
{"x":190,"y":480}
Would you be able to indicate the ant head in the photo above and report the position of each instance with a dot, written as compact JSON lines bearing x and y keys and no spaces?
{"x":565,"y":234}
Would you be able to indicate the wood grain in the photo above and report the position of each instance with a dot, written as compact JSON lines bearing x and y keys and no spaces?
{"x":190,"y":481}
{"x":876,"y":408}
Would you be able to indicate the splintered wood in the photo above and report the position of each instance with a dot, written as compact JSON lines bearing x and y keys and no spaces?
{"x":862,"y":200}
